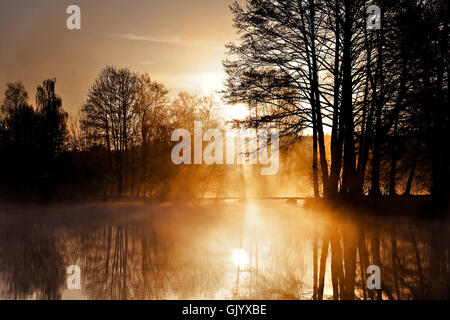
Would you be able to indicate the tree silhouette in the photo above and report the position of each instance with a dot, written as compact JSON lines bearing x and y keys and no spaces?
{"x":108,"y":115}
{"x":313,"y":64}
{"x":53,"y":120}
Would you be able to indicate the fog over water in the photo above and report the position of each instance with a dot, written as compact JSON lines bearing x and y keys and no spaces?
{"x":207,"y":250}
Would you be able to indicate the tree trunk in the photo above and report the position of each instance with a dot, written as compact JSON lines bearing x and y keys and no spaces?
{"x":376,"y":159}
{"x":349,"y":173}
{"x":314,"y":165}
{"x":336,"y":139}
{"x":411,"y":174}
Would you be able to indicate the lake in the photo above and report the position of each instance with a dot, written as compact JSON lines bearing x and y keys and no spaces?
{"x":217,"y":250}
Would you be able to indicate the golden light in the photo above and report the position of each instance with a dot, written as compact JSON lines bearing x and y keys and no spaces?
{"x":240,"y":258}
{"x":203,"y":83}
{"x":238,"y":111}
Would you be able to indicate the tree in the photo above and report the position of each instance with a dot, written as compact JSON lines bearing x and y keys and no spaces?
{"x":40,"y":135}
{"x":53,"y":121}
{"x":303,"y":60}
{"x":18,"y":117}
{"x":109,"y":116}
{"x":152,"y":112}
{"x":18,"y":139}
{"x":312,"y":64}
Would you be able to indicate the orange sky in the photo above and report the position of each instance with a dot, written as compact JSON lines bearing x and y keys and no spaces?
{"x":179,"y":42}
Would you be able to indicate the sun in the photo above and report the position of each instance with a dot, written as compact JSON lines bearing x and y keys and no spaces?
{"x":238,"y":111}
{"x":240,"y":258}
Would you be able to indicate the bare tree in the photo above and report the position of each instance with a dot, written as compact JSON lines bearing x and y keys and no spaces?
{"x":109,"y":116}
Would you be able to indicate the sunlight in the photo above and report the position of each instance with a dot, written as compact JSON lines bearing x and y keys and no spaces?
{"x":201,"y":82}
{"x":240,"y":258}
{"x":238,"y":111}
{"x":225,"y":150}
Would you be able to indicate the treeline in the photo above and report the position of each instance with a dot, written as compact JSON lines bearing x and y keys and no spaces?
{"x":383,"y":95}
{"x":118,"y":145}
{"x":126,"y":126}
{"x":31,"y":139}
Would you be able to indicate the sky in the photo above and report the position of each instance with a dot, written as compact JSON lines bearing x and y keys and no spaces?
{"x":178,"y":42}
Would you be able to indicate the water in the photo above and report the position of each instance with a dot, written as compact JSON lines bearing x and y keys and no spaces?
{"x":224,"y":250}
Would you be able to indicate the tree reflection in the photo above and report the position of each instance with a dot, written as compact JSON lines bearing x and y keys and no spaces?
{"x":169,"y":256}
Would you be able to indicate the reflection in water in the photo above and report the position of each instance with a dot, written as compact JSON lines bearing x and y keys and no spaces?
{"x":261,"y":250}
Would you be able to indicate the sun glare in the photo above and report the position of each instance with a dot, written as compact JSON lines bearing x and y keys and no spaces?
{"x":240,"y":258}
{"x":238,"y":111}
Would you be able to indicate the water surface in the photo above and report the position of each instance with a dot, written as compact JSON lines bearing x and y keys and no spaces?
{"x":223,"y":250}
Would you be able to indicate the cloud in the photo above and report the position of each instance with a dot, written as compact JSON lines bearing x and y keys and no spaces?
{"x":170,"y":40}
